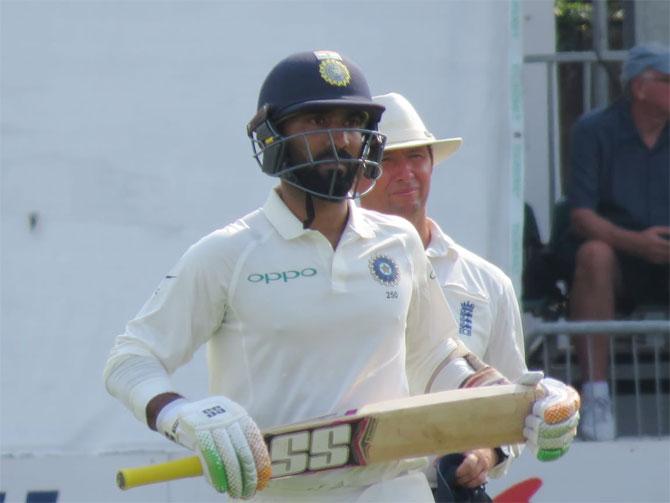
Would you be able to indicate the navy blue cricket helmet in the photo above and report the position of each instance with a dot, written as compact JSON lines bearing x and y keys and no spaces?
{"x":305,"y":82}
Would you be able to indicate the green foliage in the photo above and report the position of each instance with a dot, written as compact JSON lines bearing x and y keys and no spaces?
{"x":573,"y":9}
{"x":574,"y":24}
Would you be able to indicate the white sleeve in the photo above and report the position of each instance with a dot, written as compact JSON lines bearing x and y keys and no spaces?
{"x":135,"y":380}
{"x":505,"y":350}
{"x":430,"y":326}
{"x":185,"y":310}
{"x":513,"y":451}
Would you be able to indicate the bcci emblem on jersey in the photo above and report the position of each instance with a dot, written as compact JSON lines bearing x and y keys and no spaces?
{"x":384,"y":270}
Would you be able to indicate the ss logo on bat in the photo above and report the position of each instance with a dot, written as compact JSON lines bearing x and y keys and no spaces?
{"x":310,"y":450}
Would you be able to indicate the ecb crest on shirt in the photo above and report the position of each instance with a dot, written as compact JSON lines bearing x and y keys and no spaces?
{"x":466,"y":314}
{"x":384,"y":270}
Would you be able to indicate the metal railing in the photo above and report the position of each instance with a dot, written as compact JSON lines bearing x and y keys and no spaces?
{"x":639,"y":367}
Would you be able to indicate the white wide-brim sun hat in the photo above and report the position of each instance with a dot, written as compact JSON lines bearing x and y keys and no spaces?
{"x":404,"y":128}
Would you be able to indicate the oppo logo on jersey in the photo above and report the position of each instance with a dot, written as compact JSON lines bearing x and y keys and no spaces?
{"x":284,"y":276}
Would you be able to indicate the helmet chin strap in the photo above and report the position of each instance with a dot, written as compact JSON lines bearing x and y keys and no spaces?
{"x":309,"y":211}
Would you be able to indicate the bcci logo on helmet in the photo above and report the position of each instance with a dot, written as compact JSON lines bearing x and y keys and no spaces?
{"x":334,"y":72}
{"x":332,"y":68}
{"x":384,"y":270}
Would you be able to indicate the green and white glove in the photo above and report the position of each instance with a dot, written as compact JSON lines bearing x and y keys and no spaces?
{"x":230,"y":446}
{"x":552,"y":424}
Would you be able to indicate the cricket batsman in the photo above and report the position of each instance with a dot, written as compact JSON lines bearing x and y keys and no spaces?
{"x":308,"y":305}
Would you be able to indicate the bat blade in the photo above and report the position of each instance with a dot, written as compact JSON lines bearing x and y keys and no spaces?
{"x":445,"y":422}
{"x":432,"y":424}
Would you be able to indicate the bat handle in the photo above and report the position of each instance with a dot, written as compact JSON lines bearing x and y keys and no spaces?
{"x":127,"y":478}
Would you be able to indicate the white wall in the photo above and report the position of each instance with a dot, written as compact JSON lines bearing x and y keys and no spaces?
{"x":652,"y":21}
{"x":539,"y":38}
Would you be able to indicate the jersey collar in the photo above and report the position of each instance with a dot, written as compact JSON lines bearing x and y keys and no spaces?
{"x":289,"y":227}
{"x":357,"y":223}
{"x":281,"y":218}
{"x":440,"y":244}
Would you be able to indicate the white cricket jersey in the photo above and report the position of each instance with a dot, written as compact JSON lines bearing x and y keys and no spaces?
{"x":482,"y":300}
{"x":294,"y":328}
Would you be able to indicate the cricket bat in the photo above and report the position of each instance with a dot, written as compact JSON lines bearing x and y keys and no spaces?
{"x":431,"y":424}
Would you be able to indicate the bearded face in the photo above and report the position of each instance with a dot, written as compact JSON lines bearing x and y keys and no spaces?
{"x":327,"y":176}
{"x":323,"y":151}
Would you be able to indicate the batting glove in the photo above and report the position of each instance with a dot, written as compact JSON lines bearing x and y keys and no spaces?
{"x":552,"y":424}
{"x":230,"y":446}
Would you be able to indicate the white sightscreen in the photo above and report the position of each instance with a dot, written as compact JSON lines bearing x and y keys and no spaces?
{"x":123,"y":141}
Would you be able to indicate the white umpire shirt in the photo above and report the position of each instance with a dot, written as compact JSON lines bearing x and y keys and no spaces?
{"x":294,"y":328}
{"x":482,"y":300}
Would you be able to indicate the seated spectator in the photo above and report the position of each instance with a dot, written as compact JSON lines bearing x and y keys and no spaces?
{"x":619,"y":207}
